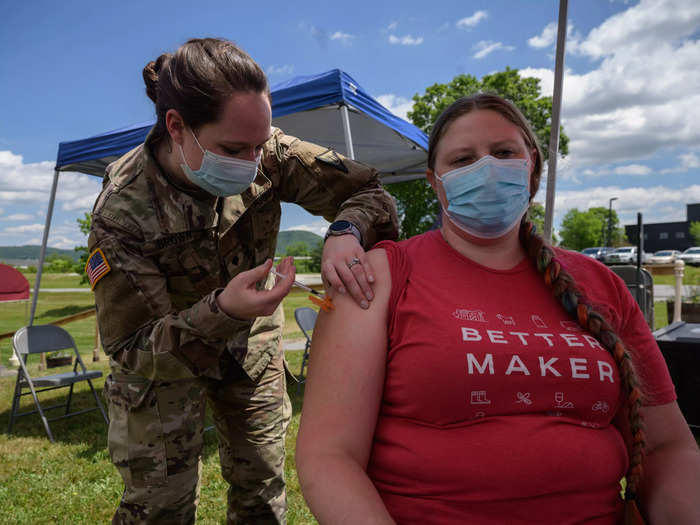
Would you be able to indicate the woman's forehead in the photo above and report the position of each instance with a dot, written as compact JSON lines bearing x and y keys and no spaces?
{"x":484,"y":123}
{"x":245,"y":119}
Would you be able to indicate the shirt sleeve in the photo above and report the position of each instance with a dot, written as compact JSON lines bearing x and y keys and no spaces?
{"x":138,"y":325}
{"x":328,"y":184}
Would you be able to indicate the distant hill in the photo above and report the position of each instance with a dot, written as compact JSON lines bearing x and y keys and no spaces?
{"x":288,"y":237}
{"x":15,"y":254}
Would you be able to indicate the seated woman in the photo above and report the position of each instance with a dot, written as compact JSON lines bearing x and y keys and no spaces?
{"x":494,"y":379}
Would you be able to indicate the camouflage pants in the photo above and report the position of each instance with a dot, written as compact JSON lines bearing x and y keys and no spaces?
{"x":156,"y":439}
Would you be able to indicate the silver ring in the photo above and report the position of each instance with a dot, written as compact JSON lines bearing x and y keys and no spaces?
{"x":353,"y":262}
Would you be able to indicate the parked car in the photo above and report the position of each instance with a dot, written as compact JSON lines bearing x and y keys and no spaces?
{"x":622,"y":255}
{"x":597,"y":252}
{"x":664,"y":257}
{"x":691,"y":256}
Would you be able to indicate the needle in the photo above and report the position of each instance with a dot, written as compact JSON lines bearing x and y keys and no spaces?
{"x":297,"y":283}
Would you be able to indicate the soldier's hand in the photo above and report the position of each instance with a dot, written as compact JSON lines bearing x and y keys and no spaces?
{"x":241,"y":298}
{"x":345,"y":268}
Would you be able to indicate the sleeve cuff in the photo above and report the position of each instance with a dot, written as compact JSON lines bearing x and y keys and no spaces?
{"x":213,"y":323}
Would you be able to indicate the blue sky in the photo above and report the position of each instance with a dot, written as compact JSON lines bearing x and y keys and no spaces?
{"x":631,"y":103}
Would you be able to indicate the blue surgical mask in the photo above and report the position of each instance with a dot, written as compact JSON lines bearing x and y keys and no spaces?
{"x":219,"y":175}
{"x":489,"y":197}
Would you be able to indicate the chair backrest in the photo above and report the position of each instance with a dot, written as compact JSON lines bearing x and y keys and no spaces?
{"x":643,"y":292}
{"x":42,"y":338}
{"x":306,"y":319}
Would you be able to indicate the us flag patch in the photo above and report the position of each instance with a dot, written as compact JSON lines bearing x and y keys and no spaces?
{"x":96,"y":267}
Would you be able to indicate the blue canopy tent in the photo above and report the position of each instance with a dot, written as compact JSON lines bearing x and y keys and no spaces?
{"x":330,"y":109}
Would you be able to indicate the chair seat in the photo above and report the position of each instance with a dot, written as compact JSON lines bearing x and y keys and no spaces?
{"x":66,"y":378}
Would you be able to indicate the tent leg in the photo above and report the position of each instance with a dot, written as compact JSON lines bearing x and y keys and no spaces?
{"x":346,"y":131}
{"x":44,"y":241}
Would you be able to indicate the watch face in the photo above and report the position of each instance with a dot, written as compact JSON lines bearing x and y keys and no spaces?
{"x":339,"y":226}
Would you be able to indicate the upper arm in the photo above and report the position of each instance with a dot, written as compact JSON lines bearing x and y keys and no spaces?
{"x":666,"y":426}
{"x":346,"y":373}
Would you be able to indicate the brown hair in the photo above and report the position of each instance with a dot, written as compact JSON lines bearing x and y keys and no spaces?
{"x":495,"y":103}
{"x":197,"y":80}
{"x":562,"y":284}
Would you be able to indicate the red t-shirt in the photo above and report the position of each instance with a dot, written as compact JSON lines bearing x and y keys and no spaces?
{"x":497,"y":407}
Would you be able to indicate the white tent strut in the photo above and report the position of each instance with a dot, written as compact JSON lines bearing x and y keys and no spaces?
{"x":346,"y":131}
{"x":44,"y":241}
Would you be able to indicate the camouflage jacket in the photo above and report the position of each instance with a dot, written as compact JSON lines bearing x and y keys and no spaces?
{"x":168,"y":252}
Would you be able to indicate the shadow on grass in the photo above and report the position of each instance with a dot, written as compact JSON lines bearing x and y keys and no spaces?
{"x":89,"y":429}
{"x":64,"y":311}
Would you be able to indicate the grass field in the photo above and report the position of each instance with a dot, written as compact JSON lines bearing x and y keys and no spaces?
{"x":73,"y":480}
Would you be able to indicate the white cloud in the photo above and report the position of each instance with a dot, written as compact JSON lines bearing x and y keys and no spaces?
{"x":392,"y":26}
{"x":18,"y":217}
{"x":345,"y":38}
{"x":25,"y":228}
{"x":486,"y":47}
{"x":30,"y":183}
{"x":285,"y":69}
{"x":406,"y":40}
{"x":471,"y":21}
{"x":549,"y":35}
{"x":690,"y":160}
{"x":399,"y":106}
{"x":687,"y":161}
{"x":659,"y":203}
{"x":642,"y":25}
{"x":444,"y":27}
{"x":26,"y":186}
{"x":546,"y":38}
{"x":633,"y":169}
{"x":318,"y":227}
{"x":643,"y":96}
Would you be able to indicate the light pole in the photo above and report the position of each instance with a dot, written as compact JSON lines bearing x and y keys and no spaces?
{"x":610,"y":220}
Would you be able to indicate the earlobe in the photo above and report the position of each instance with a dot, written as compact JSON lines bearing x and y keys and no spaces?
{"x":175,"y":125}
{"x":430,"y":177}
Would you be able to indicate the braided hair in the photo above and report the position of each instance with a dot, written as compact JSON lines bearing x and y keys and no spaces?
{"x":562,"y":284}
{"x":566,"y":292}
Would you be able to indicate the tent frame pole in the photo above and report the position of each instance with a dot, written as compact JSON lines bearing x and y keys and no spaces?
{"x":556,"y":112}
{"x":42,"y":255}
{"x":346,"y":131}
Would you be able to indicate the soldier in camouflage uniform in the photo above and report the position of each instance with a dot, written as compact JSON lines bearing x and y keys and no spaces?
{"x":187,"y":310}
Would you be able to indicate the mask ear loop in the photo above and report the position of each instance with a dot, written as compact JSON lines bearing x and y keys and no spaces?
{"x":195,"y":139}
{"x":182,"y":151}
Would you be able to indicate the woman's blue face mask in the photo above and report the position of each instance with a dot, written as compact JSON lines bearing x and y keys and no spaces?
{"x":219,"y":175}
{"x":489,"y":197}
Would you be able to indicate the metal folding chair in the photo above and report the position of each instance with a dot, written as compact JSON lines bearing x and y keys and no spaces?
{"x":37,"y":340}
{"x":306,"y":319}
{"x":641,"y":287}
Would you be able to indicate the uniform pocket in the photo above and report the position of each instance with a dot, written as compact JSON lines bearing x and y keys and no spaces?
{"x":202,"y":270}
{"x":135,"y":437}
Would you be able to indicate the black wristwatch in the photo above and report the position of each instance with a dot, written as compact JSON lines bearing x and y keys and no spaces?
{"x":343,"y":228}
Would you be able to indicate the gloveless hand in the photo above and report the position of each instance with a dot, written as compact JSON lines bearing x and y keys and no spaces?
{"x":345,"y":268}
{"x":242,"y":300}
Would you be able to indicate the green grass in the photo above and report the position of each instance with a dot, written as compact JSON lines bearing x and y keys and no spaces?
{"x":691,"y":275}
{"x":73,"y":481}
{"x":56,"y":280}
